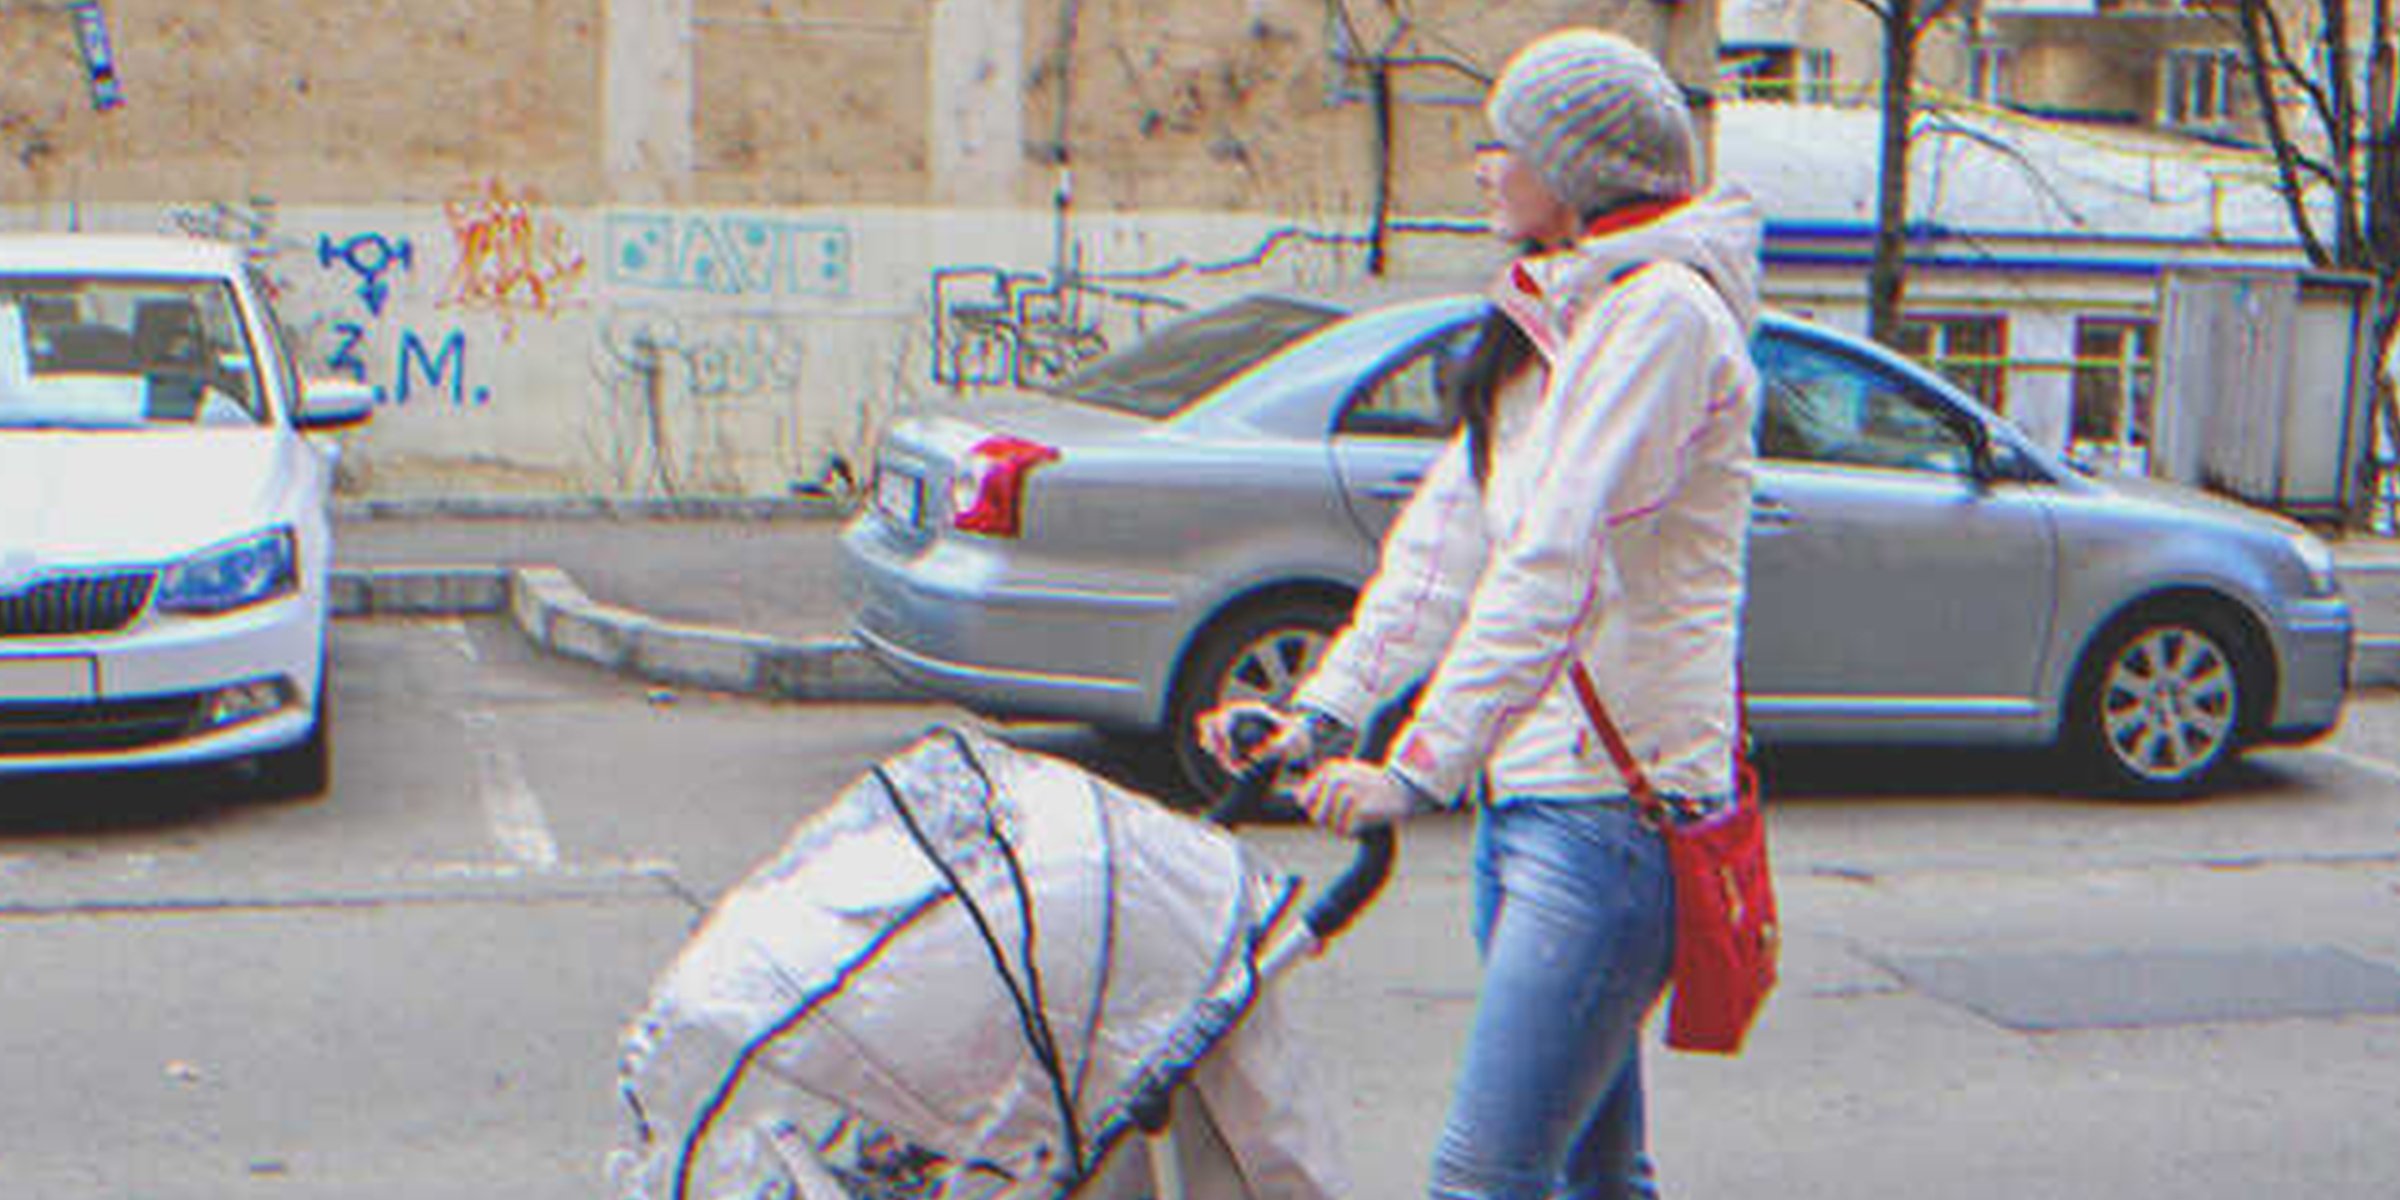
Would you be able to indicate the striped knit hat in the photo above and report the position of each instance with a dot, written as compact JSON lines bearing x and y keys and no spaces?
{"x":1597,"y":116}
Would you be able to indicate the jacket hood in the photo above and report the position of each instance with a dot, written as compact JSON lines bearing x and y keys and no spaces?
{"x":1717,"y":233}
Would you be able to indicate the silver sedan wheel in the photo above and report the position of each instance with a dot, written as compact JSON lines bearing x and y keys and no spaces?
{"x":1270,"y":667}
{"x":1260,"y":654}
{"x":2169,"y":704}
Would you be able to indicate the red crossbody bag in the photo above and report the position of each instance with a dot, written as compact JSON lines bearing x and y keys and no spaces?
{"x":1726,"y":939}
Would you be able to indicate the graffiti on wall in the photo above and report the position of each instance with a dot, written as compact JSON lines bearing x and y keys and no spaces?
{"x":420,"y":363}
{"x":369,"y":257}
{"x":417,"y":367}
{"x":513,"y":259}
{"x":252,"y":227}
{"x":717,"y":356}
{"x":690,"y":395}
{"x":728,"y":255}
{"x":1028,"y":328}
{"x":994,"y":326}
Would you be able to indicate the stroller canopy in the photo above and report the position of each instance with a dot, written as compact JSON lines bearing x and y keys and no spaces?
{"x":983,"y":952}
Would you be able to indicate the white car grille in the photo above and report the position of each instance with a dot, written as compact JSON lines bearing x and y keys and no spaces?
{"x":75,"y":605}
{"x":83,"y":728}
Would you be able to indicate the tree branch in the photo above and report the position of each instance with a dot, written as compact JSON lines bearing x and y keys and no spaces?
{"x":2291,"y":69}
{"x":2257,"y":17}
{"x":1880,"y":12}
{"x":2325,"y":172}
{"x":1942,"y":124}
{"x":1934,"y":12}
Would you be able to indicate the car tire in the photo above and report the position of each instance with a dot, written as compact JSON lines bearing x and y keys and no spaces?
{"x":2160,"y":706}
{"x":303,"y":771}
{"x":1259,"y":653}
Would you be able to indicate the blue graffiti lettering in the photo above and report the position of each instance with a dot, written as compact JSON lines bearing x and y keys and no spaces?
{"x":420,"y":366}
{"x":345,"y":359}
{"x":449,"y":369}
{"x":369,"y":256}
{"x":729,"y":255}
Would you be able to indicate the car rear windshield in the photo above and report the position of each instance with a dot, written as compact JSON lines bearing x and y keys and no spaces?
{"x":1163,"y":373}
{"x":123,"y":352}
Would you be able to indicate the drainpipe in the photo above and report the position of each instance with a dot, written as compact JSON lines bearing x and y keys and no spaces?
{"x":1381,"y":82}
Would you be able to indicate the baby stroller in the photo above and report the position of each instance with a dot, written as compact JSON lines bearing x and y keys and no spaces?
{"x":976,"y":976}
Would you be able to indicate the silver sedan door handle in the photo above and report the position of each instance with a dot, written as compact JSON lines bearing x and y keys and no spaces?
{"x":1398,"y":487}
{"x":1771,"y":512}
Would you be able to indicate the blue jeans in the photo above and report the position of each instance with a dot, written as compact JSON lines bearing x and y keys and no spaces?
{"x":1574,"y":919}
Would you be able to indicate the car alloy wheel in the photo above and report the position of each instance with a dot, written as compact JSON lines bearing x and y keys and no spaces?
{"x":1262,"y":654}
{"x":2163,"y":712}
{"x":1271,"y":667}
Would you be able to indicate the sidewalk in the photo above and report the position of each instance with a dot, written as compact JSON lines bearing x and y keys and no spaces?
{"x":746,"y":596}
{"x":778,"y":576}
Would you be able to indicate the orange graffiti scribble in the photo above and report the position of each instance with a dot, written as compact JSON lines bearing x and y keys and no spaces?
{"x":510,"y":260}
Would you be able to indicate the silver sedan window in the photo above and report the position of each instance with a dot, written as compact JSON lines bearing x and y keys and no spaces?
{"x":1824,"y":407}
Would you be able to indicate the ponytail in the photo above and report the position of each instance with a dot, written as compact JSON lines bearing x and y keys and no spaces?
{"x":1472,"y":384}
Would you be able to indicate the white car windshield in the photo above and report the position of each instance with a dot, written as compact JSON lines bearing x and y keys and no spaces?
{"x":123,"y":352}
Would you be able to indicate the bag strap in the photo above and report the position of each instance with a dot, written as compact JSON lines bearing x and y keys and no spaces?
{"x":1637,"y":781}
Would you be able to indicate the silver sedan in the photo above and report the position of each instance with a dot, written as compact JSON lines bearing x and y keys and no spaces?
{"x":1189,"y":519}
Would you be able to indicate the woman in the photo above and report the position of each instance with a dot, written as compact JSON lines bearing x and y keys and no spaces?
{"x":1592,"y":510}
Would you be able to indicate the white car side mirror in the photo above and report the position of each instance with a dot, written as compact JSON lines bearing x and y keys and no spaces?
{"x":334,"y":404}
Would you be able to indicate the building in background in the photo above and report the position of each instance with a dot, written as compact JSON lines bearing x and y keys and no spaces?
{"x":2070,"y":157}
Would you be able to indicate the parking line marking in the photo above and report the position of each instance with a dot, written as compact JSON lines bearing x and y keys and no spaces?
{"x":514,"y":812}
{"x":456,"y":631}
{"x":509,"y":802}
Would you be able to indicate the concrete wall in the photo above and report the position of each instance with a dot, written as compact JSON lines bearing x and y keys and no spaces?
{"x":322,"y":101}
{"x":645,"y":246}
{"x":524,"y":347}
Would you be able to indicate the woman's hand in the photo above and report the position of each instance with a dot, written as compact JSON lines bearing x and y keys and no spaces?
{"x":1288,"y":742}
{"x":1350,"y":797}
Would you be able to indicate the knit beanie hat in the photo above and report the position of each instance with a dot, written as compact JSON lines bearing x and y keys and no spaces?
{"x":1597,"y":116}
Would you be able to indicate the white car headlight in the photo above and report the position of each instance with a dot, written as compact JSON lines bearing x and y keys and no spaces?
{"x":2317,"y":558}
{"x":233,"y":575}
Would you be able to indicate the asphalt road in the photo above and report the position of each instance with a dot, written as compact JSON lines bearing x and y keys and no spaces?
{"x":414,"y":988}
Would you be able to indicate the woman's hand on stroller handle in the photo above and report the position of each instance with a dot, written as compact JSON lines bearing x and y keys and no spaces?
{"x":1254,"y":734}
{"x":1239,"y":733}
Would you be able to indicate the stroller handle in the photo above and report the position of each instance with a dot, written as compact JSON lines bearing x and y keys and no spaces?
{"x":1370,"y":868}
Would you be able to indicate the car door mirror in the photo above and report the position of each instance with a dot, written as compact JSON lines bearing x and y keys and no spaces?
{"x":334,"y":404}
{"x":2006,"y":463}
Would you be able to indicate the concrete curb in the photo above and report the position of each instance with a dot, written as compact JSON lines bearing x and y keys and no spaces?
{"x":2373,"y":587}
{"x":548,"y":607}
{"x":431,"y":591}
{"x":2375,"y":661}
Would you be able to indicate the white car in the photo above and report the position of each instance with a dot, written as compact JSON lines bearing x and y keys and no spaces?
{"x":165,"y":538}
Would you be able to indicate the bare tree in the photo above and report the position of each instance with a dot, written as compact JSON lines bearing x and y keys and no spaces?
{"x":2335,"y":149}
{"x":1905,"y":23}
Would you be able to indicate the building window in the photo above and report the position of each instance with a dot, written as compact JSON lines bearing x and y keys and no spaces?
{"x":1816,"y":76}
{"x":1994,"y":79}
{"x":2198,"y":86}
{"x":1792,"y":73}
{"x":1971,"y":351}
{"x":2112,"y":392}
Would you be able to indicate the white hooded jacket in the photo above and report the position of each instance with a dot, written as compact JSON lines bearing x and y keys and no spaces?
{"x":1612,"y":528}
